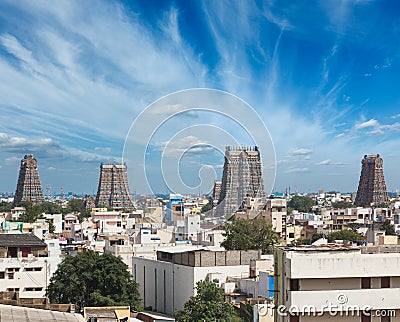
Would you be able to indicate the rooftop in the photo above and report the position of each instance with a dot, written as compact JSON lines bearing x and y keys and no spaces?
{"x":11,"y":313}
{"x":20,"y":240}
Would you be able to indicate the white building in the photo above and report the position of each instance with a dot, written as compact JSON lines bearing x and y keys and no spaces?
{"x":342,"y":279}
{"x":22,"y":267}
{"x":167,"y":283}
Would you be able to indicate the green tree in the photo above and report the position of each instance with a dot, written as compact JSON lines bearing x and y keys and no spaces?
{"x":207,"y":305}
{"x":348,"y":235}
{"x":388,"y":228}
{"x":32,"y":213}
{"x":353,"y":226}
{"x":75,"y":205}
{"x":5,"y":206}
{"x":90,"y":279}
{"x":342,"y":205}
{"x":208,"y":206}
{"x":301,"y":203}
{"x":245,"y":234}
{"x":51,"y":208}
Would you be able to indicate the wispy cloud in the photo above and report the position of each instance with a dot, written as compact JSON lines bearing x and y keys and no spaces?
{"x":329,"y":162}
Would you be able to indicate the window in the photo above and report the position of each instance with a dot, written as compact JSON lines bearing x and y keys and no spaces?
{"x":10,"y":276}
{"x":366,"y":282}
{"x":385,"y":282}
{"x":2,"y":275}
{"x":33,"y":269}
{"x":291,"y":235}
{"x":294,"y":284}
{"x":119,"y":224}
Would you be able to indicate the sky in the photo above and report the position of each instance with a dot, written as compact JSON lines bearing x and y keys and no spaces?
{"x":321,"y":75}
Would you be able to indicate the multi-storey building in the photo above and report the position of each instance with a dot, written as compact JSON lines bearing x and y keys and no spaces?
{"x":337,"y":283}
{"x":24,"y":265}
{"x":372,"y":186}
{"x":167,"y":283}
{"x":241,"y":179}
{"x":29,"y":187}
{"x":113,"y":190}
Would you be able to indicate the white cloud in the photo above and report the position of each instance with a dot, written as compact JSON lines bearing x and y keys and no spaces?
{"x":329,"y":162}
{"x":297,"y":170}
{"x":300,"y":152}
{"x":369,"y":123}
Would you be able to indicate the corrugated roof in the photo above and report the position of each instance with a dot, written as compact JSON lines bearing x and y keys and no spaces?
{"x":11,"y":313}
{"x":20,"y":240}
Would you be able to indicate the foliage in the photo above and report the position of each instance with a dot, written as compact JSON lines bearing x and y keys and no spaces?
{"x":75,"y":205}
{"x":245,"y":234}
{"x":5,"y":206}
{"x":301,"y":203}
{"x":51,"y":208}
{"x":348,"y":235}
{"x":342,"y":205}
{"x":315,"y":237}
{"x":353,"y":225}
{"x":32,"y":213}
{"x":246,"y":311}
{"x":208,"y":206}
{"x":207,"y":305}
{"x":388,"y":228}
{"x":90,"y":279}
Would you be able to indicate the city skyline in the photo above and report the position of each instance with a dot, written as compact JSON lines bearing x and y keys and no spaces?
{"x":321,"y":75}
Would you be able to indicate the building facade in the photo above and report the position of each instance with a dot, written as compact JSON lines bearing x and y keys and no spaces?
{"x":372,"y":186}
{"x":113,"y":190}
{"x":337,"y":283}
{"x":241,"y":179}
{"x":29,"y":187}
{"x":165,"y":284}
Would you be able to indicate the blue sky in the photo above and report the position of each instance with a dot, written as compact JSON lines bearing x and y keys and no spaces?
{"x":322,"y":75}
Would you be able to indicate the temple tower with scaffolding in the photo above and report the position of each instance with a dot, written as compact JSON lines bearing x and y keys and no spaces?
{"x":113,"y":190}
{"x":241,"y":178}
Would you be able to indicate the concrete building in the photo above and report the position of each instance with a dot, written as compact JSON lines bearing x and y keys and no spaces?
{"x":337,"y":283}
{"x":23,"y":265}
{"x":29,"y":187}
{"x":241,"y":179}
{"x":174,"y":208}
{"x":113,"y":190}
{"x":372,"y":185}
{"x":275,"y":213}
{"x":113,"y":222}
{"x":166,"y":283}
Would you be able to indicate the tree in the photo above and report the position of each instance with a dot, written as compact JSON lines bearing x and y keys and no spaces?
{"x":32,"y":213}
{"x":208,"y":206}
{"x":342,"y":205}
{"x":51,"y":208}
{"x":75,"y":205}
{"x":388,"y":228}
{"x":5,"y":206}
{"x":90,"y":279}
{"x":245,"y":234}
{"x":348,"y":235}
{"x":207,"y":305}
{"x":301,"y":203}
